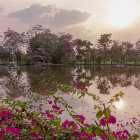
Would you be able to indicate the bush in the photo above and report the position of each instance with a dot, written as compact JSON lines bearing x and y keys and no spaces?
{"x":23,"y":120}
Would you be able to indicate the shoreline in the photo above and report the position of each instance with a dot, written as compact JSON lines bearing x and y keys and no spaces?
{"x":49,"y":64}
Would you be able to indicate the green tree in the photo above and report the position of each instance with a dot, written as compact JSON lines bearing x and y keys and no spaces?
{"x":104,"y":44}
{"x":83,"y":48}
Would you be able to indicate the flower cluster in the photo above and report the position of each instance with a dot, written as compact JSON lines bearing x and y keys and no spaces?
{"x":49,"y":114}
{"x":111,"y":119}
{"x":81,"y":117}
{"x":24,"y":120}
{"x":55,"y":107}
{"x":82,"y":88}
{"x":68,"y":123}
{"x":12,"y":130}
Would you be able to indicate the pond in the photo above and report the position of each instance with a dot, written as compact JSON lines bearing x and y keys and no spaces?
{"x":105,"y":81}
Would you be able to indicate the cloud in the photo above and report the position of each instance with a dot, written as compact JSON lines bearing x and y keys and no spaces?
{"x":33,"y":14}
{"x":49,"y":15}
{"x":68,"y":17}
{"x":1,"y":10}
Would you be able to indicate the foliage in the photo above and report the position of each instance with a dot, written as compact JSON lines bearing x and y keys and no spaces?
{"x":12,"y":43}
{"x":48,"y":47}
{"x":42,"y":45}
{"x":26,"y":120}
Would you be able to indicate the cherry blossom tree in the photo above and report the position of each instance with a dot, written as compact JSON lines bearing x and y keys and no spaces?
{"x":13,"y":42}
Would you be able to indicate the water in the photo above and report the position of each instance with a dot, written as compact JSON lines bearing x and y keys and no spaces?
{"x":105,"y":81}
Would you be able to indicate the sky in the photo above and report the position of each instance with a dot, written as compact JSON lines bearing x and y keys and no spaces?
{"x":86,"y":19}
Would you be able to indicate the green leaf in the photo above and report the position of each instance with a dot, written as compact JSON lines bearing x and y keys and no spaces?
{"x":70,"y":107}
{"x":97,"y":131}
{"x":99,"y":114}
{"x":108,"y":112}
{"x":112,"y":138}
{"x":95,"y":106}
{"x":94,"y":97}
{"x":71,"y":124}
{"x":74,"y":91}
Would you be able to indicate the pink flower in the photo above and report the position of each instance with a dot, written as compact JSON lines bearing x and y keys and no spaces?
{"x":66,"y":123}
{"x":112,"y":119}
{"x":60,"y":112}
{"x":74,"y":82}
{"x":81,"y":117}
{"x":13,"y":130}
{"x":126,"y":132}
{"x":103,"y":121}
{"x":82,"y":88}
{"x":36,"y":134}
{"x":50,"y":102}
{"x":102,"y":136}
{"x":46,"y":111}
{"x":50,"y":115}
{"x":55,"y":107}
{"x":2,"y":133}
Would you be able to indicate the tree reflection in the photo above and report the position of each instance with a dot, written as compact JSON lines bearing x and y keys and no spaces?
{"x":29,"y":81}
{"x":49,"y":78}
{"x":13,"y":83}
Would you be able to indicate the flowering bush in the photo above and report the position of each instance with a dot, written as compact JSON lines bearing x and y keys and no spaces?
{"x":23,"y":120}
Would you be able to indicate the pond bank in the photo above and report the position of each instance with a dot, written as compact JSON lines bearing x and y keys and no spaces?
{"x":50,"y":64}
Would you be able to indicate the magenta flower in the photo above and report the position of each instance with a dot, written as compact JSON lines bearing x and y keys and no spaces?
{"x":50,"y":115}
{"x":102,"y":136}
{"x":2,"y":133}
{"x":126,"y":132}
{"x":56,"y":107}
{"x":60,"y":112}
{"x":112,"y":119}
{"x":50,"y":102}
{"x":103,"y":121}
{"x":66,"y":123}
{"x":82,"y":88}
{"x":36,"y":134}
{"x":74,"y":82}
{"x":81,"y":117}
{"x":13,"y":130}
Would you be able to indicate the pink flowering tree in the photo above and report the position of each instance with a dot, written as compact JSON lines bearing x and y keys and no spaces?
{"x":45,"y":46}
{"x":12,"y":43}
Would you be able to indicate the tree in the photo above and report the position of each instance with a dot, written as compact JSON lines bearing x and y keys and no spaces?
{"x":99,"y":59}
{"x":137,"y":52}
{"x":66,"y":47}
{"x":36,"y":30}
{"x":93,"y":54}
{"x":104,"y":44}
{"x":13,"y":42}
{"x":127,"y":51}
{"x":5,"y":55}
{"x":45,"y":46}
{"x":83,"y":48}
{"x":115,"y":52}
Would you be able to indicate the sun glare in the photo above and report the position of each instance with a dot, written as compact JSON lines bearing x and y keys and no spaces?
{"x":119,"y":104}
{"x":122,"y":13}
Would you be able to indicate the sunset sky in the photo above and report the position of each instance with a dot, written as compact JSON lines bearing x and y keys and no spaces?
{"x":86,"y":19}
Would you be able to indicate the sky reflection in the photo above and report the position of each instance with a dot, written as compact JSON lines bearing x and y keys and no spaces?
{"x":119,"y":104}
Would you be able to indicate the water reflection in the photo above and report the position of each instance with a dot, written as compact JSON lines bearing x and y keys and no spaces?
{"x":119,"y":104}
{"x":28,"y":81}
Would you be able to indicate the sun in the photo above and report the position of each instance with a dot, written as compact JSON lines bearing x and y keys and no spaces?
{"x":122,"y":13}
{"x":119,"y":104}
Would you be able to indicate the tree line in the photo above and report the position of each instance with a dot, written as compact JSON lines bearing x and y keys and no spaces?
{"x":44,"y":46}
